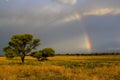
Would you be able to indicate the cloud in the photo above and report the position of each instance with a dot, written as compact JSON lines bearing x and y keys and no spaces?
{"x":6,"y":0}
{"x":61,"y":26}
{"x":102,"y":11}
{"x":62,"y":44}
{"x":72,"y":2}
{"x":69,"y":18}
{"x":35,"y":17}
{"x":114,"y":49}
{"x":50,"y":9}
{"x":75,"y":16}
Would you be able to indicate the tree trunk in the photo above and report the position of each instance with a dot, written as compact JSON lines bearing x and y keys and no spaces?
{"x":22,"y":58}
{"x":44,"y":59}
{"x":38,"y":59}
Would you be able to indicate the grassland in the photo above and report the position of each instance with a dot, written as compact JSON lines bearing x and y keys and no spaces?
{"x":62,"y":68}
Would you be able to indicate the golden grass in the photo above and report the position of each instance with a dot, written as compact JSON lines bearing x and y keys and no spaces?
{"x":62,"y":68}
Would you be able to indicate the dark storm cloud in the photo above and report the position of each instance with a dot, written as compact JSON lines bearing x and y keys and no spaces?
{"x":103,"y":30}
{"x":63,"y":27}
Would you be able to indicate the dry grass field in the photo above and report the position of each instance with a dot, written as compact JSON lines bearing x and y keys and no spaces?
{"x":62,"y":68}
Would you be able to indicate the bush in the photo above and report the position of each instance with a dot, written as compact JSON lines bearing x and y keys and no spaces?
{"x":37,"y":54}
{"x":42,"y":55}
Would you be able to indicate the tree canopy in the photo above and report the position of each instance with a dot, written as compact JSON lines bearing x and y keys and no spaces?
{"x":43,"y":54}
{"x":37,"y":54}
{"x":47,"y":52}
{"x":22,"y":44}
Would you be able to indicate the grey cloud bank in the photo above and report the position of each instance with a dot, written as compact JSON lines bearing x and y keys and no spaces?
{"x":63,"y":27}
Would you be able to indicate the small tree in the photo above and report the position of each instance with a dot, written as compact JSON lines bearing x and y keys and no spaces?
{"x":37,"y":54}
{"x":22,"y":44}
{"x":47,"y":52}
{"x":42,"y":55}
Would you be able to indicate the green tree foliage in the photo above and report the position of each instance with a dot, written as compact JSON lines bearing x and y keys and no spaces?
{"x":37,"y":54}
{"x":43,"y":54}
{"x":47,"y":52}
{"x":9,"y":52}
{"x":10,"y":55}
{"x":21,"y":44}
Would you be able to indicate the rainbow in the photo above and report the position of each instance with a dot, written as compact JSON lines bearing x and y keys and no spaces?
{"x":77,"y":16}
{"x":88,"y":43}
{"x":87,"y":40}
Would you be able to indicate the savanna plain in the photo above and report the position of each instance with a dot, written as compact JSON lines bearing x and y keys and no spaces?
{"x":103,"y":67}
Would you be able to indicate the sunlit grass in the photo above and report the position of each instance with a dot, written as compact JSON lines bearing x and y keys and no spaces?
{"x":62,"y":68}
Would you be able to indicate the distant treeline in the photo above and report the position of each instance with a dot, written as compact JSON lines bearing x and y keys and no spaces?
{"x":80,"y":54}
{"x":87,"y":54}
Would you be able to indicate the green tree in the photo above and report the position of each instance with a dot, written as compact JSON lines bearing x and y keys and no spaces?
{"x":9,"y":53}
{"x":37,"y":54}
{"x":47,"y":52}
{"x":43,"y":54}
{"x":22,"y":44}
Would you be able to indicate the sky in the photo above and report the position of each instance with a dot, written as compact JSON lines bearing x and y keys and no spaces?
{"x":67,"y":26}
